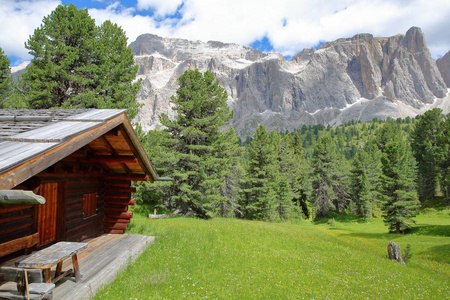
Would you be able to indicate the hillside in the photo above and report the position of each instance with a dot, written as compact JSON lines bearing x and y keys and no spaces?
{"x":237,"y":259}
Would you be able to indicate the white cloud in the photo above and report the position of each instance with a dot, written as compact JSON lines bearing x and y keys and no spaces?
{"x":290,"y":25}
{"x":18,"y":20}
{"x":161,"y":7}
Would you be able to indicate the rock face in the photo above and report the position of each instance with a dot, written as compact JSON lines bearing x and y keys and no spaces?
{"x":443,"y":65}
{"x":356,"y":78}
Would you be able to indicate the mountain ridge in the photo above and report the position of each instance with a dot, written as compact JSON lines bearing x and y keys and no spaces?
{"x":361,"y":77}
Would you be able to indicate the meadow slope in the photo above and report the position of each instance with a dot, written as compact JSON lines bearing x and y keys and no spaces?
{"x":239,"y":259}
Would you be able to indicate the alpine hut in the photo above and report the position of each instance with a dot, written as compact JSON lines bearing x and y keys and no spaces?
{"x":65,"y":175}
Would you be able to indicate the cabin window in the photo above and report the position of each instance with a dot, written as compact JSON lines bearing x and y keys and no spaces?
{"x":89,"y":204}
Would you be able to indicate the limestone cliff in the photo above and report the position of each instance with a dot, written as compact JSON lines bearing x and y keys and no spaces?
{"x":355,"y":78}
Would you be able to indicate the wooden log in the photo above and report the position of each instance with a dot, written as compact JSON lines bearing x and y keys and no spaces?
{"x":114,"y":231}
{"x":394,"y":252}
{"x":116,"y":220}
{"x":115,"y":208}
{"x":118,"y":196}
{"x":19,"y":244}
{"x":119,"y":215}
{"x":118,"y":183}
{"x":20,"y":197}
{"x":14,"y":217}
{"x":132,"y":202}
{"x":9,"y":208}
{"x":114,"y":189}
{"x":121,"y":226}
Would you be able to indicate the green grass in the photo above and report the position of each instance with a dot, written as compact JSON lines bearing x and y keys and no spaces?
{"x":238,"y":259}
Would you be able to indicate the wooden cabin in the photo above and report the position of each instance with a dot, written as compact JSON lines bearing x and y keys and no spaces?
{"x":81,"y":161}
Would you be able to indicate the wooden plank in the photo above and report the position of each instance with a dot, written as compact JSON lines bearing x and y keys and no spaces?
{"x":52,"y":133}
{"x":112,"y":159}
{"x":19,"y":244}
{"x":11,"y":197}
{"x":15,"y":153}
{"x":48,"y":212}
{"x":131,"y":177}
{"x":97,"y":115}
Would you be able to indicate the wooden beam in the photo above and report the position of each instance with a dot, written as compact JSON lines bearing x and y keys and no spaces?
{"x":131,"y":177}
{"x":19,"y":244}
{"x":113,"y":159}
{"x":138,"y":149}
{"x":20,"y":197}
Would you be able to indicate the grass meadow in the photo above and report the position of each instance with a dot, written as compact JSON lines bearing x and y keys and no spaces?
{"x":239,"y":259}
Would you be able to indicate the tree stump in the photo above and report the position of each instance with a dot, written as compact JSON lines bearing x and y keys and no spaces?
{"x":394,"y":252}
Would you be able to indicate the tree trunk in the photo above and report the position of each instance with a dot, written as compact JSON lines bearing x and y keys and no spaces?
{"x":394,"y":252}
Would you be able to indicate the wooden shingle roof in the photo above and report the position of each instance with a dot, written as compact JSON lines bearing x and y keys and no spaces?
{"x":32,"y":140}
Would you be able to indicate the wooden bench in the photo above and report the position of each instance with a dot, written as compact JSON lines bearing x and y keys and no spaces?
{"x":19,"y":244}
{"x":29,"y":284}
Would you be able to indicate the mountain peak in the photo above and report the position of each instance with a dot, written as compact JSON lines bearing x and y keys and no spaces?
{"x":361,"y":77}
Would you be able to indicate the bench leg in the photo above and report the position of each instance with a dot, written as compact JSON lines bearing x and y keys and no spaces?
{"x":58,"y":269}
{"x":76,"y":268}
{"x":47,"y":272}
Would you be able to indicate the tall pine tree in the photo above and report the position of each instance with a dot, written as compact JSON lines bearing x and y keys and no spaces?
{"x":77,"y":64}
{"x":259,"y":187}
{"x":197,"y":159}
{"x":365,"y":179}
{"x":425,"y":144}
{"x":328,"y":178}
{"x":6,"y":88}
{"x":398,"y":186}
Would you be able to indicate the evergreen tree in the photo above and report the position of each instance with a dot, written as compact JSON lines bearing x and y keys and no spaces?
{"x":116,"y":71}
{"x":62,"y":68}
{"x":425,"y":144}
{"x":444,"y":158}
{"x":294,"y":168}
{"x":329,"y":178}
{"x":77,"y":64}
{"x":398,"y":187}
{"x":365,"y":179}
{"x":197,"y":159}
{"x":5,"y":79}
{"x":259,"y":188}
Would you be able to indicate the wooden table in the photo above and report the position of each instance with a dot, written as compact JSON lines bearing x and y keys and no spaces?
{"x":46,"y":258}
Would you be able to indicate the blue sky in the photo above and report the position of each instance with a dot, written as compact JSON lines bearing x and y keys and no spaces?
{"x":284,"y":26}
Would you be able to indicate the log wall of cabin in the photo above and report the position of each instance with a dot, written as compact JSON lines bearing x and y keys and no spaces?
{"x":80,"y":177}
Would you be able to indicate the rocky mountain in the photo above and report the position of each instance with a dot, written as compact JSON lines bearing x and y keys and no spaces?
{"x":354,"y":78}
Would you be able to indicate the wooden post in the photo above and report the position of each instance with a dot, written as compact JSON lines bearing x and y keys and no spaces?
{"x":76,"y":268}
{"x":47,"y":272}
